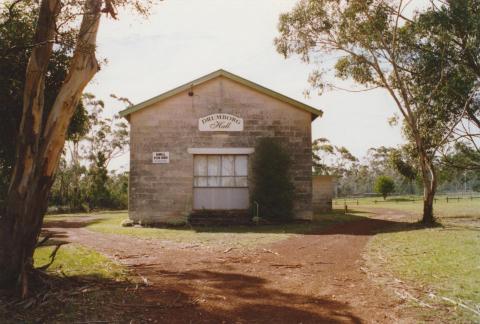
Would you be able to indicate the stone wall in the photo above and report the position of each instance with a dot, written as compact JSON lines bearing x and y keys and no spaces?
{"x":163,"y":192}
{"x":323,"y":192}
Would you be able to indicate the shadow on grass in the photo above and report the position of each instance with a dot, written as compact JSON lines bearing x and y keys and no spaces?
{"x":464,"y":221}
{"x":355,"y":222}
{"x":72,"y":223}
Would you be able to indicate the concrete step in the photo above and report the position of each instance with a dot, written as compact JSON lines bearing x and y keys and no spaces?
{"x":220,"y":218}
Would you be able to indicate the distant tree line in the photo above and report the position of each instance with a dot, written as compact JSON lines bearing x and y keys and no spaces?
{"x":359,"y":177}
{"x":83,"y":181}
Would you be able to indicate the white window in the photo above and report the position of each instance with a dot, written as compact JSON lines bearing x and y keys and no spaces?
{"x":224,"y":171}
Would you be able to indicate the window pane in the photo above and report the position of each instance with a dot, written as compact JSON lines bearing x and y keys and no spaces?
{"x":200,"y":182}
{"x":241,"y":165}
{"x":228,"y":181}
{"x":214,"y":181}
{"x":241,"y":182}
{"x":214,"y":162}
{"x":228,"y":165}
{"x":200,"y":165}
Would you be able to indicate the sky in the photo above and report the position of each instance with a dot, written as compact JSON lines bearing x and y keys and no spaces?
{"x":186,"y":39}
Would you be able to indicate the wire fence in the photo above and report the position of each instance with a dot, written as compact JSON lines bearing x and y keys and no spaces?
{"x":369,"y":201}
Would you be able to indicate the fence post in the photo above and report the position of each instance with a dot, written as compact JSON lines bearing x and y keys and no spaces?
{"x":447,"y":199}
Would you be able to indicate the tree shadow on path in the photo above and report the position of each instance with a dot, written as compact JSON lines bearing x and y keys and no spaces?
{"x":204,"y":296}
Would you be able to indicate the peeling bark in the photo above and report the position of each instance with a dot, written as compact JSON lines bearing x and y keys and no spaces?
{"x":39,"y":146}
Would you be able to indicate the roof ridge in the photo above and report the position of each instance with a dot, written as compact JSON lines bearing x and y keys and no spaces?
{"x":221,"y":72}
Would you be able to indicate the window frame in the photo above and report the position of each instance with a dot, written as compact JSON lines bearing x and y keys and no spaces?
{"x":234,"y":176}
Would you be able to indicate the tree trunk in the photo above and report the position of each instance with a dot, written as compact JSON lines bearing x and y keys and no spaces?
{"x":428,"y":198}
{"x":429,"y":189}
{"x":39,"y":146}
{"x":19,"y":224}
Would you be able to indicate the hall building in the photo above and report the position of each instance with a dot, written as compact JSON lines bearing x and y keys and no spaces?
{"x":191,"y":147}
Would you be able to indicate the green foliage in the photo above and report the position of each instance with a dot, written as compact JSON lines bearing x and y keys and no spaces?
{"x":459,"y":169}
{"x":384,"y":185}
{"x":79,"y":125}
{"x":108,"y":137}
{"x":406,"y":169}
{"x":273,"y":189}
{"x":476,"y":186}
{"x":118,"y":188}
{"x":78,"y":187}
{"x":98,"y":193}
{"x":444,"y":79}
{"x":16,"y":35}
{"x":69,"y":189}
{"x":463,"y":157}
{"x":331,"y":160}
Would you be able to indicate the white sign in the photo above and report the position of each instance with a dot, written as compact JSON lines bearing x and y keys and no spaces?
{"x":220,"y":123}
{"x":161,"y":157}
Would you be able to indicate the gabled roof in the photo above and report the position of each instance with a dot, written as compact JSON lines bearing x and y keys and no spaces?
{"x":315,"y":112}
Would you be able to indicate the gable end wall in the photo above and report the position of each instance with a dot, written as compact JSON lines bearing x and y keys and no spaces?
{"x":162,"y":193}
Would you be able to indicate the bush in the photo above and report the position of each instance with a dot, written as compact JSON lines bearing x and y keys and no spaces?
{"x":384,"y":185}
{"x":272,"y":187}
{"x":127,"y":223}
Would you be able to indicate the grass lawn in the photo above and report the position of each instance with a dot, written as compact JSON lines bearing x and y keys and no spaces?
{"x":236,"y":236}
{"x":442,"y":262}
{"x":74,"y":260}
{"x":456,"y":211}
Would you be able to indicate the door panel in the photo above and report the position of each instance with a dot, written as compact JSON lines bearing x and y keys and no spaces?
{"x":220,"y":198}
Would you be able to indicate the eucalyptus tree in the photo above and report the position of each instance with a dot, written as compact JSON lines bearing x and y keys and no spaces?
{"x":107,"y":139}
{"x":377,"y":45}
{"x":454,"y":27}
{"x":329,"y":159}
{"x":41,"y":135}
{"x":17,"y":27}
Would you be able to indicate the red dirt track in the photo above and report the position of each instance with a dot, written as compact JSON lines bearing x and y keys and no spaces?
{"x":316,"y":278}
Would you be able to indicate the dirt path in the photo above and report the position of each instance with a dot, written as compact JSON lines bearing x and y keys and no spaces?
{"x":315,"y":278}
